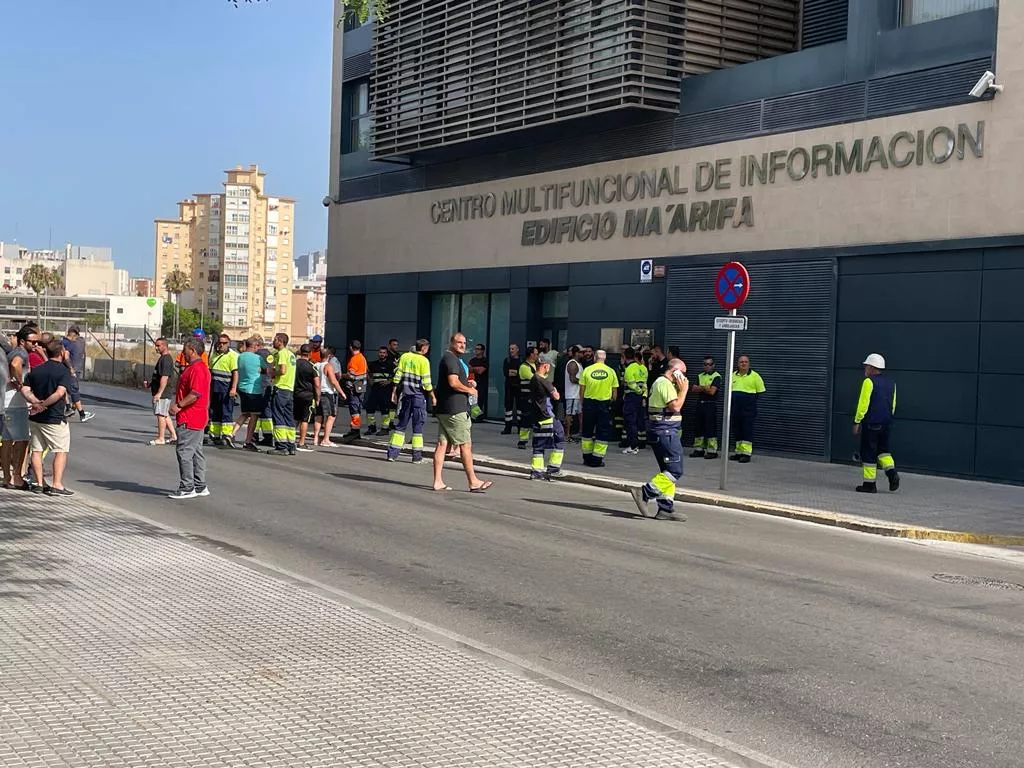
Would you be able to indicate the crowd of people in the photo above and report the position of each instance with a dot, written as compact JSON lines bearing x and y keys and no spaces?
{"x":41,"y":393}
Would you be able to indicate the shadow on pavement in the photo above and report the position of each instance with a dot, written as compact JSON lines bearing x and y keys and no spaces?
{"x":379,"y":480}
{"x":122,"y":440}
{"x":608,"y":511}
{"x":126,"y":486}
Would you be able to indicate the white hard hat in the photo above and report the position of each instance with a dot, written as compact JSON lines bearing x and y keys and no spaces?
{"x":876,"y":361}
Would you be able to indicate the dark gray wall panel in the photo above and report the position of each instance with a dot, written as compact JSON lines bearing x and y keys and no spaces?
{"x":391,"y":307}
{"x":913,"y":91}
{"x":1001,"y":348}
{"x":605,"y":272}
{"x":927,"y":260}
{"x":789,"y":342}
{"x":357,"y":284}
{"x":441,"y":281}
{"x":916,"y":445}
{"x":548,"y":276}
{"x":378,"y":333}
{"x":995,"y":457}
{"x":494,"y":279}
{"x":640,"y":304}
{"x":1010,"y":257}
{"x":948,"y":296}
{"x":399,"y":281}
{"x":917,"y":396}
{"x":921,"y":346}
{"x":1000,"y":295}
{"x":1001,"y":401}
{"x":946,"y":41}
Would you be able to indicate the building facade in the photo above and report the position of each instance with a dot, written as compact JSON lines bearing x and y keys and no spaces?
{"x":308,"y":307}
{"x":142,"y":286}
{"x":873,"y":199}
{"x":311,"y":266}
{"x":83,"y":270}
{"x":129,"y":314}
{"x":237,"y":248}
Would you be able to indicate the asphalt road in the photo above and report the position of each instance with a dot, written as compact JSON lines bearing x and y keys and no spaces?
{"x":815,"y":646}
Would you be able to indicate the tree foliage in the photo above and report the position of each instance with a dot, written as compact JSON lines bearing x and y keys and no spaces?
{"x":187,"y":320}
{"x":39,"y":278}
{"x":177,"y":282}
{"x":356,"y":9}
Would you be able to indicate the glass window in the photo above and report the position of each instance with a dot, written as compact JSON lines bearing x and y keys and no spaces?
{"x":361,"y":124}
{"x":497,"y":348}
{"x":444,"y":320}
{"x":920,"y":11}
{"x":555,"y":304}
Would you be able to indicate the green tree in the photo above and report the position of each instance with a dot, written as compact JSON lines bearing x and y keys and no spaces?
{"x":95,"y":321}
{"x":357,"y":9}
{"x":176,"y":283}
{"x":41,"y":278}
{"x":188,"y":319}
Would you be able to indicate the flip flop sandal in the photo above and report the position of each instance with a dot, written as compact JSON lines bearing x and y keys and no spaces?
{"x":442,"y":490}
{"x":482,"y":488}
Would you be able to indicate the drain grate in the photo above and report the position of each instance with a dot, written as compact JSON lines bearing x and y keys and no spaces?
{"x":977,"y":581}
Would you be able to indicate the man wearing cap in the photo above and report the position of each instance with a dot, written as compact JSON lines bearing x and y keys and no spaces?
{"x":199,"y":335}
{"x":747,"y":388}
{"x":873,"y":422}
{"x":315,"y":345}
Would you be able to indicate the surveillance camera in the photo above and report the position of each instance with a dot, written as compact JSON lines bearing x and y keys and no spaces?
{"x":985,"y":84}
{"x":327,"y":201}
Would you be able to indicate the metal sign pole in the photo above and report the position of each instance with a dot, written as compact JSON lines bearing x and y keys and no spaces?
{"x":727,"y":412}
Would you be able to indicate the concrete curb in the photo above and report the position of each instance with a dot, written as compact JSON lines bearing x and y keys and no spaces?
{"x":792,"y":512}
{"x":775,"y":509}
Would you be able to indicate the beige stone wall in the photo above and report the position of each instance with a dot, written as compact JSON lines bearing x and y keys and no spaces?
{"x":90,"y":278}
{"x":959,"y":198}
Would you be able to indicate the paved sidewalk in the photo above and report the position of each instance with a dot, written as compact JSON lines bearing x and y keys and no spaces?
{"x":126,"y":645}
{"x":925,"y":506}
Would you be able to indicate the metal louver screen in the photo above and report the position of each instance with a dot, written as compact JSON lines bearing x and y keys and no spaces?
{"x":724,"y":33}
{"x":789,"y":341}
{"x":446,"y":72}
{"x":824,"y":21}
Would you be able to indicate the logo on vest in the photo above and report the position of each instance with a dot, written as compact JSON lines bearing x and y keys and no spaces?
{"x":599,"y":375}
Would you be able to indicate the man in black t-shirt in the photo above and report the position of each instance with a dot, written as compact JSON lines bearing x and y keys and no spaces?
{"x":306,"y":395}
{"x":453,"y":390}
{"x":45,"y":388}
{"x":161,"y":386}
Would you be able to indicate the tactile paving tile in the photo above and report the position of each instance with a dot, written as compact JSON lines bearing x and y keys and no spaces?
{"x":124,"y":645}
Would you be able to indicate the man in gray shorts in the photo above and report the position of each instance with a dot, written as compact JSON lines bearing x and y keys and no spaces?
{"x":453,"y":391}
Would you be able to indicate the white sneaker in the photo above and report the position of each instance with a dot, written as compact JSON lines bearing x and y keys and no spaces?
{"x":181,"y":495}
{"x":204,"y":492}
{"x":303,"y":449}
{"x":631,"y":451}
{"x":87,"y":416}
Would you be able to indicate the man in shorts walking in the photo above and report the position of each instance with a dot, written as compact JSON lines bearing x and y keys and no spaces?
{"x":454,"y":426}
{"x":161,"y":386}
{"x":45,"y":388}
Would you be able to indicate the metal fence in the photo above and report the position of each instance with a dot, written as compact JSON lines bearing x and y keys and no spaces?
{"x":120,"y":354}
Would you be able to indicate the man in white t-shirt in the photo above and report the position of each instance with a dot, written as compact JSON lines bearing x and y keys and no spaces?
{"x":571,"y":389}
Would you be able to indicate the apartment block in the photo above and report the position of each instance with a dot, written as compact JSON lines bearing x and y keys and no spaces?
{"x":309,"y":300}
{"x":237,"y":247}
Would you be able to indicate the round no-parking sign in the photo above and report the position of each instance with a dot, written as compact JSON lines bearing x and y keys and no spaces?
{"x":732,"y":285}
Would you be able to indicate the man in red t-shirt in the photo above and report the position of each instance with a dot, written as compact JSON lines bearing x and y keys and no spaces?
{"x":191,"y":408}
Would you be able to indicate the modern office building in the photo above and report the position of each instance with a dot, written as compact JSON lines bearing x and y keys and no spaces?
{"x":580,"y":170}
{"x":308,"y":307}
{"x":237,"y":248}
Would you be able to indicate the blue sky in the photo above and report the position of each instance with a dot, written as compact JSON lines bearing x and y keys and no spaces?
{"x":113,"y":110}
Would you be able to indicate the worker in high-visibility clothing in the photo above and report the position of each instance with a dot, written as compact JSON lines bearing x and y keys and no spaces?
{"x":705,"y":441}
{"x":664,"y":418}
{"x":382,"y":371}
{"x":873,"y":422}
{"x":412,"y":387}
{"x":747,"y":387}
{"x":179,"y":361}
{"x":548,"y":434}
{"x":223,"y":391}
{"x":281,"y":365}
{"x":354,"y":380}
{"x":599,"y":387}
{"x":634,"y":382}
{"x":527,"y":370}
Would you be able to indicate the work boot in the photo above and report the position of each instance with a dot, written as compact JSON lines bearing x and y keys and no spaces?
{"x":866,"y":487}
{"x":371,"y":430}
{"x":553,"y":472}
{"x":696,"y":453}
{"x":894,"y":479}
{"x":521,"y":445}
{"x":710,"y":455}
{"x":507,"y":431}
{"x":744,"y":458}
{"x":735,"y":457}
{"x":535,"y":475}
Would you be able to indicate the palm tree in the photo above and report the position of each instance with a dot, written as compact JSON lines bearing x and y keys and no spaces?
{"x":39,"y":278}
{"x":176,"y":283}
